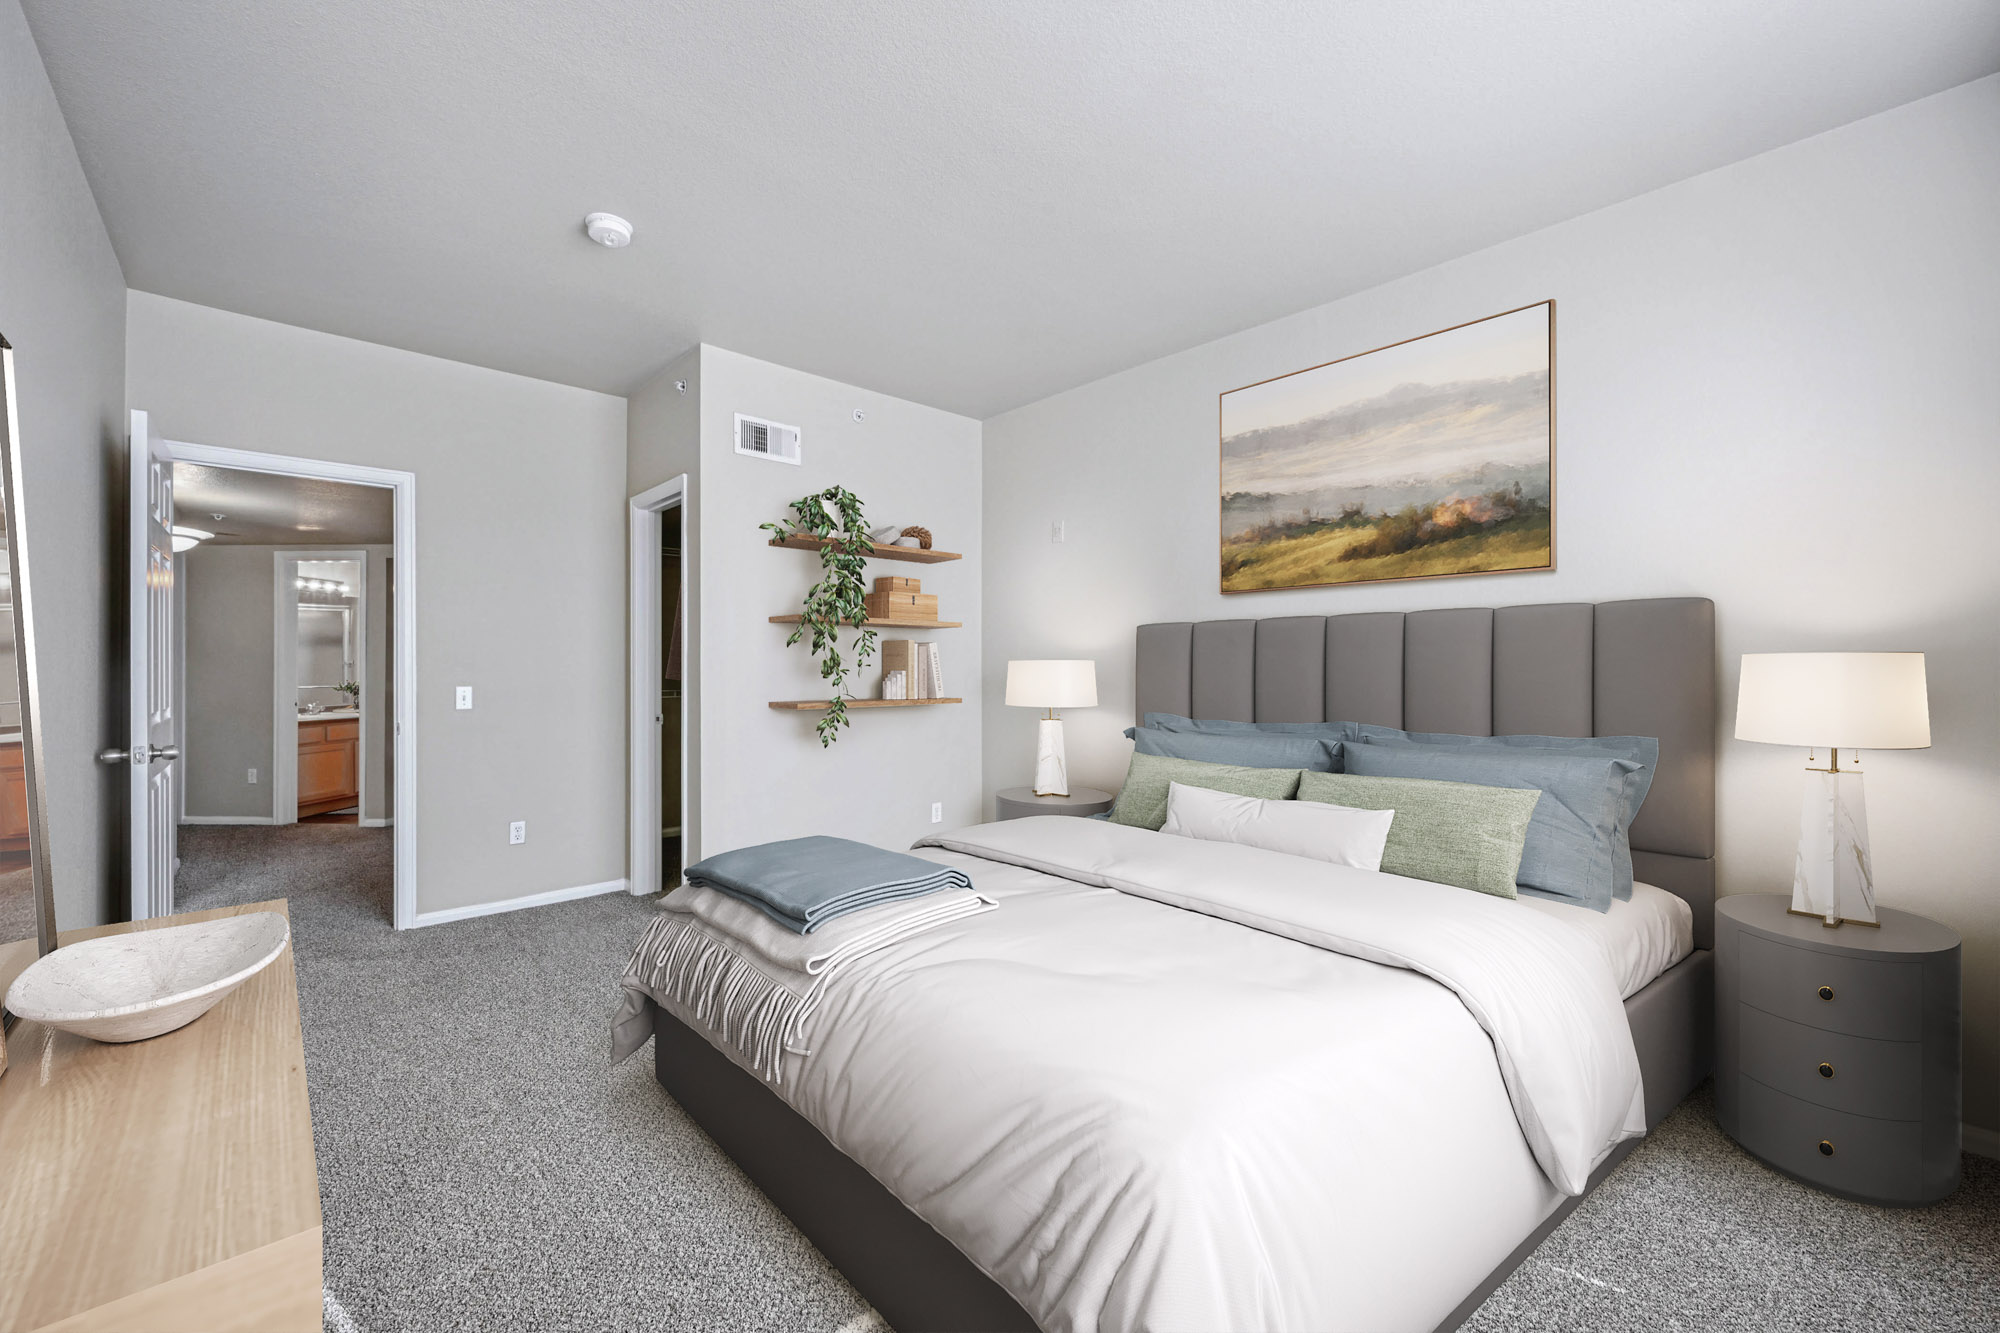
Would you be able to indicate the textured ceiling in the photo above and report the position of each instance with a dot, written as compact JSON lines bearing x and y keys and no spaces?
{"x":970,"y":206}
{"x":260,"y":509}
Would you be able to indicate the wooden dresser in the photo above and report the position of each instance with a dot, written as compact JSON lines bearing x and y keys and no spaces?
{"x":165,"y":1185}
{"x":13,"y":798}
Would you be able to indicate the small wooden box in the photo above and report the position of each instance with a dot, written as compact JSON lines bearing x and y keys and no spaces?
{"x":901,"y":606}
{"x":895,"y":583}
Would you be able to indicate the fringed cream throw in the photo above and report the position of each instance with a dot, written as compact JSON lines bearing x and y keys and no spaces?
{"x":749,"y":981}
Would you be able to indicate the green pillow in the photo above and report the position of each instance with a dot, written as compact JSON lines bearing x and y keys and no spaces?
{"x":1142,"y":801}
{"x":1449,"y":832}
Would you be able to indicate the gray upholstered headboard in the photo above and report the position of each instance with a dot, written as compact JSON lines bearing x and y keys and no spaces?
{"x":1638,"y":668}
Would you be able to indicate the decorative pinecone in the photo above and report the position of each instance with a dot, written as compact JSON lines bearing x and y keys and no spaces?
{"x":923,"y":536}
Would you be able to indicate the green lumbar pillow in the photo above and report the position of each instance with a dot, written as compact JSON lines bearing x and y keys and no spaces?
{"x":1449,"y":832}
{"x":1142,"y":801}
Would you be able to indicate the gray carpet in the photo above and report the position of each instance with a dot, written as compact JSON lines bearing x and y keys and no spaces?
{"x":479,"y":1166}
{"x":480,"y":1169}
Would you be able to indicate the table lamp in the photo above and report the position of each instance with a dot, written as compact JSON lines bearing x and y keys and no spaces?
{"x":1834,"y":702}
{"x":1051,"y":685}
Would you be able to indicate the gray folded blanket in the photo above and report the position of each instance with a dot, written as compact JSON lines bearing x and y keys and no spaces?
{"x":751,"y":982}
{"x":803,"y":883}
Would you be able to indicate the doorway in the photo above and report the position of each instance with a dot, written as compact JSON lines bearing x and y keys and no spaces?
{"x":328,"y":687}
{"x":665,"y":835}
{"x":283,"y":571}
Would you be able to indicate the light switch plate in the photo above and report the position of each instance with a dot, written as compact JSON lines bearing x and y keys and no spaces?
{"x":465,"y":696}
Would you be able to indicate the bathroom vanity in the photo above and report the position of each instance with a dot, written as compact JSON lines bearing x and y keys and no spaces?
{"x":329,"y":762}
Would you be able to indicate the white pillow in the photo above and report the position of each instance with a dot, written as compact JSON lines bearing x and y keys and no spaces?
{"x":1313,"y":829}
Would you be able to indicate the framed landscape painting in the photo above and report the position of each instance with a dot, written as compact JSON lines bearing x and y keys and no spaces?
{"x":1425,"y":458}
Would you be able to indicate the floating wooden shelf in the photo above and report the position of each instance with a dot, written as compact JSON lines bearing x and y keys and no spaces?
{"x":886,"y":624}
{"x":816,"y":705}
{"x":914,"y":554}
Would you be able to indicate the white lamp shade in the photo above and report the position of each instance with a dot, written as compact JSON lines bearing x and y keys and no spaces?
{"x":1052,"y":684}
{"x":1849,"y":701}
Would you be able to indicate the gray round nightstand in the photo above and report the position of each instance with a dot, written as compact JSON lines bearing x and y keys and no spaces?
{"x":1837,"y":1050}
{"x":1020,"y":802}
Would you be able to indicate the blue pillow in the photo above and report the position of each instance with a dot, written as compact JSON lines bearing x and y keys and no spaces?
{"x":1571,"y":853}
{"x":1338,"y":731}
{"x":1245,"y":750}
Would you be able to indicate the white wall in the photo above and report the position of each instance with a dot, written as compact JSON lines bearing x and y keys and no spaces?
{"x":62,"y":306}
{"x":1778,"y":386}
{"x":763,"y":773}
{"x":520,"y":571}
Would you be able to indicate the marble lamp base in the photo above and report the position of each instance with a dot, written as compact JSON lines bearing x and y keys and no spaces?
{"x":1833,"y":878}
{"x":1051,"y":766}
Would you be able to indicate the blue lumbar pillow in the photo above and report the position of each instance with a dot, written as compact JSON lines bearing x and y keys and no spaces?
{"x":1250,"y":749}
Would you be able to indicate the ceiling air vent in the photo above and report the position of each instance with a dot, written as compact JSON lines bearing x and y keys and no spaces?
{"x":766,"y":439}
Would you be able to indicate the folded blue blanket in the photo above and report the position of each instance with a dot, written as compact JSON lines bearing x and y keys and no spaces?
{"x":803,"y":883}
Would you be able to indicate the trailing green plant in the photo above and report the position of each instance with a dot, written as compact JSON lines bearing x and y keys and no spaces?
{"x":840,"y":595}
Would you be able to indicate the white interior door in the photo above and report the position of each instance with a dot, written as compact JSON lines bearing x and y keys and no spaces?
{"x":151,"y":754}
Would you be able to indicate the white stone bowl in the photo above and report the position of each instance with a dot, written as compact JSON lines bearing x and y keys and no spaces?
{"x":130,"y":987}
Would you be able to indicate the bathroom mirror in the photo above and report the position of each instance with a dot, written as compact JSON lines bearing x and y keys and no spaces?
{"x":27,"y":899}
{"x":328,"y":641}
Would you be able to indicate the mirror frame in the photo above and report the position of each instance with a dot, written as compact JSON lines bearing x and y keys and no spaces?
{"x":33,"y":767}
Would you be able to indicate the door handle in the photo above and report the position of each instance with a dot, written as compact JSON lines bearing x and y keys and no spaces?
{"x":143,"y":755}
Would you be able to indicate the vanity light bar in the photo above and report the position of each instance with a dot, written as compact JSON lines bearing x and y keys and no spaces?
{"x":322,"y":585}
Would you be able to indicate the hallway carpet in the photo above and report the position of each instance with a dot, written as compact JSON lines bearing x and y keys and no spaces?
{"x":481,"y":1168}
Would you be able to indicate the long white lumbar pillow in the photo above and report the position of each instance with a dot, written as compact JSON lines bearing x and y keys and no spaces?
{"x":1312,"y":829}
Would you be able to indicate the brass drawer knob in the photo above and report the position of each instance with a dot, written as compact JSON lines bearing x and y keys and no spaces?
{"x":1826,"y":1147}
{"x":1826,"y":992}
{"x":1825,"y":1069}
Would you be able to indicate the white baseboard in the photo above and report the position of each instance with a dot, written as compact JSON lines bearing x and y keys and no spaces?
{"x":445,"y":914}
{"x":1984,"y":1142}
{"x":227,"y":819}
{"x":376,"y":823}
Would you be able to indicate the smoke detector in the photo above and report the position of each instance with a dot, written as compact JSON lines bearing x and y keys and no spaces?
{"x":608,"y":230}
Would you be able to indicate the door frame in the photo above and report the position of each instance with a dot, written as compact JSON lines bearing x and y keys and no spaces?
{"x":643,"y":715}
{"x":284,"y":667}
{"x":403,"y":606}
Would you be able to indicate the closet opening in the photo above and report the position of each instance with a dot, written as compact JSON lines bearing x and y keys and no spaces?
{"x":665,"y":652}
{"x":671,"y":656}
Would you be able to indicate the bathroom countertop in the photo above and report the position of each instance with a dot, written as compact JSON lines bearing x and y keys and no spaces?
{"x":330,"y":715}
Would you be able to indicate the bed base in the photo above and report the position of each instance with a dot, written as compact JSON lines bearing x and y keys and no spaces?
{"x":922,"y":1283}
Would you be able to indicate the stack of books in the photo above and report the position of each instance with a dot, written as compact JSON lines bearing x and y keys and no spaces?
{"x":917,"y":665}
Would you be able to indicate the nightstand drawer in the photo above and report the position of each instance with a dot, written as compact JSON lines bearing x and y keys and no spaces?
{"x":1871,"y":1159}
{"x":1883,"y":1000}
{"x":1883,"y":1079}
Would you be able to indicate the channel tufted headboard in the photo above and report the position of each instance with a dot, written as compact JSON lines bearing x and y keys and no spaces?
{"x":1637,"y":668}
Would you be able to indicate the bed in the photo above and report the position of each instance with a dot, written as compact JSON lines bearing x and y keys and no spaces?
{"x":1134,"y":1102}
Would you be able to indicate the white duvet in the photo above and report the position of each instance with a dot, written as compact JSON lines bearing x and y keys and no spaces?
{"x":1183,"y":1085}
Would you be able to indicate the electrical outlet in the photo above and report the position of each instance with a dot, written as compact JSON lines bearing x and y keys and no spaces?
{"x":465,"y":696}
{"x":517,"y":831}
{"x":1056,"y":532}
{"x":253,"y":777}
{"x":937,"y":812}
